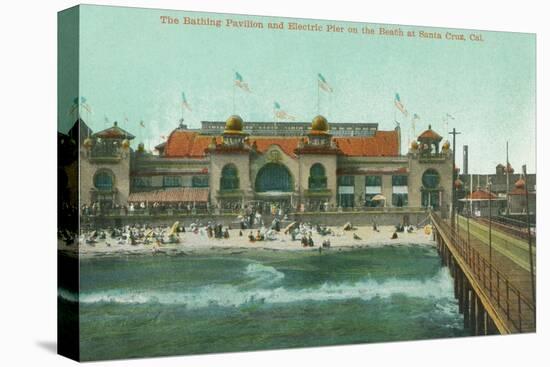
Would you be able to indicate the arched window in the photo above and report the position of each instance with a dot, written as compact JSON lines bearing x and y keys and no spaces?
{"x":103,"y":180}
{"x":430,"y":179}
{"x":317,"y":177}
{"x":430,"y":194}
{"x":230,"y":178}
{"x":274,"y":177}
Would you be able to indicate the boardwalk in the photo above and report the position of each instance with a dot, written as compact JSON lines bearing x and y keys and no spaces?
{"x":493,"y":287}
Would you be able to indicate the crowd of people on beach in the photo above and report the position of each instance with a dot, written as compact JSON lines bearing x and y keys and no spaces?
{"x":250,"y":223}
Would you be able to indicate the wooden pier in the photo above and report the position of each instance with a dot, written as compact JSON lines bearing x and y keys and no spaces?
{"x":492,"y":294}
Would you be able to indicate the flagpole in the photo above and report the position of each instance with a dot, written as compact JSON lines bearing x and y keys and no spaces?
{"x":318,"y":96}
{"x":410,"y":130}
{"x":233,"y":98}
{"x":394,"y":114}
{"x":330,"y":104}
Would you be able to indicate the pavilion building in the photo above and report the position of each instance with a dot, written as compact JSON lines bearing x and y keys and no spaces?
{"x":302,"y":166}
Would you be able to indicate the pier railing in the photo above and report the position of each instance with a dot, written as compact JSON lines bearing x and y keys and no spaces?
{"x":506,"y":297}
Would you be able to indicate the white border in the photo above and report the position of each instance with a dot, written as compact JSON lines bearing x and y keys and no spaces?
{"x":28,"y":187}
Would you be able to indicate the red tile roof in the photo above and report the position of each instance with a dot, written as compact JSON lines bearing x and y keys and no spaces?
{"x":429,"y":135}
{"x":287,"y":144}
{"x":114,"y":132}
{"x":383,"y":144}
{"x":191,"y":144}
{"x":481,"y":195}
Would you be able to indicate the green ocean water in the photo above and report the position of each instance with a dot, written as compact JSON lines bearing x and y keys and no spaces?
{"x":140,"y":306}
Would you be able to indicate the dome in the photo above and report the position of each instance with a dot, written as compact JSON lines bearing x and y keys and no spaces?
{"x":414,"y":145}
{"x":319,"y":124}
{"x":446,"y":145}
{"x":88,"y":143}
{"x":125,"y":144}
{"x":520,"y":184}
{"x":429,"y":135}
{"x":233,"y":125}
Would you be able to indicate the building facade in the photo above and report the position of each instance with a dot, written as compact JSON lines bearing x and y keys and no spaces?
{"x":299,"y":166}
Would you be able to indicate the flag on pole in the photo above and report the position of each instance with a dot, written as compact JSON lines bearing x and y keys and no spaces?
{"x":416,"y":117}
{"x":323,"y":83}
{"x":400,"y":105}
{"x":280,"y":113}
{"x":239,"y":82}
{"x":141,"y":123}
{"x":450,"y":116}
{"x":184,"y":102}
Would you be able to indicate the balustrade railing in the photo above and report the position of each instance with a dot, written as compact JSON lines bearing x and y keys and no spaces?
{"x":518,"y":310}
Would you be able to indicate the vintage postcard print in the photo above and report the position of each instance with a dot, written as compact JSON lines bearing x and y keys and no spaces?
{"x":235,"y":182}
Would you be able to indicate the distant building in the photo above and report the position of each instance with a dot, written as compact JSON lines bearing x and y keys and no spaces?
{"x":506,"y":185}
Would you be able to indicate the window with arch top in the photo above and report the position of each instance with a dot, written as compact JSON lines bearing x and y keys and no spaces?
{"x":230,"y":178}
{"x":103,"y":180}
{"x":274,"y":177}
{"x":317,"y":177}
{"x":431,"y":179}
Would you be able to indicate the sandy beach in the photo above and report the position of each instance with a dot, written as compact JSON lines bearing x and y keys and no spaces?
{"x":196,"y":243}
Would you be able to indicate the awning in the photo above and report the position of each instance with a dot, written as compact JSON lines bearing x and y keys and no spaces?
{"x":185,"y":194}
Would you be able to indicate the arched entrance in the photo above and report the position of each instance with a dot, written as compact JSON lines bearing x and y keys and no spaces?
{"x":431,"y":189}
{"x":274,"y":185}
{"x":273,"y":177}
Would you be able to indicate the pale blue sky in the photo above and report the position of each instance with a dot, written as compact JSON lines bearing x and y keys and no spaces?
{"x":134,"y":66}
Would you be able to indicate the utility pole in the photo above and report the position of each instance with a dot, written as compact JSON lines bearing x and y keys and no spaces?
{"x":531,"y":262}
{"x":507,"y":181}
{"x":454,"y":133}
{"x":489,"y":184}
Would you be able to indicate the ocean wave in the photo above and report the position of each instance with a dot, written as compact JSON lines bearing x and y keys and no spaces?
{"x":260,"y":273}
{"x":438,"y":287}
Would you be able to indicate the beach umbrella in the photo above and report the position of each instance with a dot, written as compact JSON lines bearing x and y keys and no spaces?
{"x":174,"y":228}
{"x":379,"y":197}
